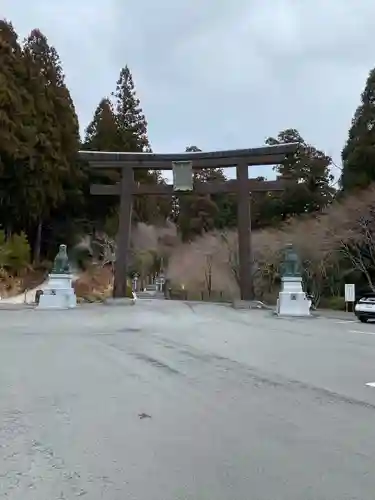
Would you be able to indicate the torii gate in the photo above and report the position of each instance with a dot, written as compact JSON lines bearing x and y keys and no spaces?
{"x":182,"y":165}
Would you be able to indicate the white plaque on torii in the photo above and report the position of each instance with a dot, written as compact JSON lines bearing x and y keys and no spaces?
{"x":182,"y":175}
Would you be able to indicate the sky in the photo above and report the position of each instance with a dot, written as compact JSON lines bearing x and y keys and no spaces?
{"x":216,"y":74}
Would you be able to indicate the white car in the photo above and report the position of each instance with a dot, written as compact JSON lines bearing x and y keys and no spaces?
{"x":365,"y":307}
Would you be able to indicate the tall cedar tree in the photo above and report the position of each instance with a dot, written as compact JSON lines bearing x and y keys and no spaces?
{"x":102,"y":134}
{"x":18,"y":201}
{"x":131,"y":121}
{"x":310,"y":169}
{"x":47,"y":181}
{"x":132,"y":130}
{"x":63,"y":174}
{"x":358,"y":155}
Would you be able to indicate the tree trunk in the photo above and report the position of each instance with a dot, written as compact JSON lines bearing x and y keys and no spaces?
{"x":38,"y":242}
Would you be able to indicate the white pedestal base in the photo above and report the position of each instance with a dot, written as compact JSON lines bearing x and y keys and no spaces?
{"x":292,"y":299}
{"x":58,"y":294}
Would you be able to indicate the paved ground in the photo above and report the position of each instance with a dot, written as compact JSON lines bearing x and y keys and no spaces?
{"x":168,"y":401}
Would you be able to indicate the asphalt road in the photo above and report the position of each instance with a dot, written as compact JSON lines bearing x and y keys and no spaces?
{"x":169,"y":401}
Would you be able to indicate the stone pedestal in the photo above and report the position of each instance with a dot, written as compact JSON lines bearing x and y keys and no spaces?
{"x":59,"y":293}
{"x":292,"y":299}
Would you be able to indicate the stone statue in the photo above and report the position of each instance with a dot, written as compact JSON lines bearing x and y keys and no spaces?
{"x":61,"y":262}
{"x":291,"y":265}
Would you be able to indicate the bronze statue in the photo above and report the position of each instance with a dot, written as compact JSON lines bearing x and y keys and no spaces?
{"x":61,"y":262}
{"x":291,"y":265}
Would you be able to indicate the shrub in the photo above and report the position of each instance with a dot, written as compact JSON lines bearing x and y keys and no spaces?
{"x":9,"y":285}
{"x":334,"y":303}
{"x":4,"y":250}
{"x":14,"y":252}
{"x":96,"y":284}
{"x":19,"y":252}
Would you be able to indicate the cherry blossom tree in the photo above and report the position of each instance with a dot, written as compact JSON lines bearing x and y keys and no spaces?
{"x":202,"y":265}
{"x":150,"y":248}
{"x":351,"y":226}
{"x":316,"y":251}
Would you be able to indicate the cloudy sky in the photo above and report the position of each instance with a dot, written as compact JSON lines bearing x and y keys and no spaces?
{"x":218,"y":74}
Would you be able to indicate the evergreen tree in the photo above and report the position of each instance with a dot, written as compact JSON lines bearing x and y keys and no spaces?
{"x":309,"y":168}
{"x":49,"y":64}
{"x":61,"y":173}
{"x":132,"y":132}
{"x":196,"y":213}
{"x":358,"y":155}
{"x":17,"y":134}
{"x":102,"y":134}
{"x":46,"y":182}
{"x":10,"y":122}
{"x":131,"y":122}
